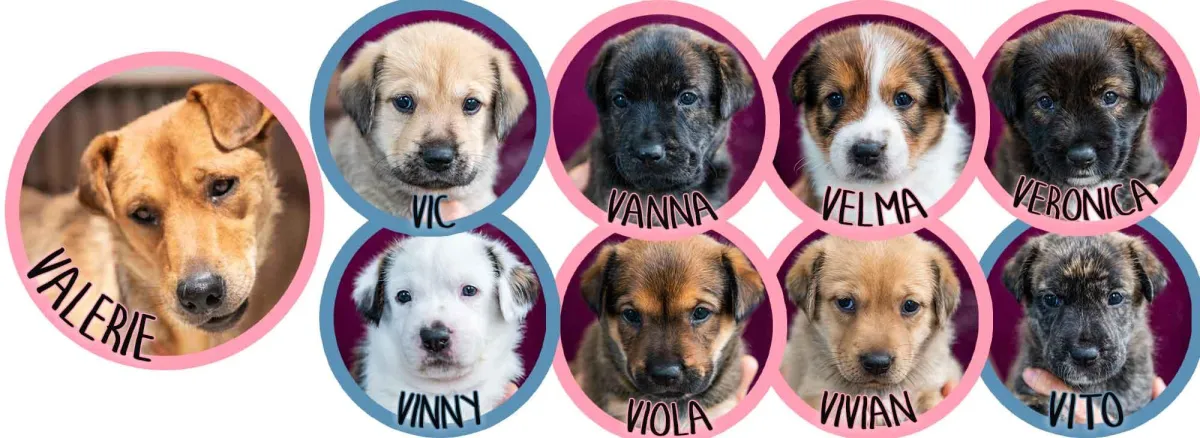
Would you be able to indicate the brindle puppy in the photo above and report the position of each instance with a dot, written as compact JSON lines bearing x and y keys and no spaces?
{"x":665,"y":96}
{"x":670,"y":318}
{"x":1086,"y":305}
{"x":1077,"y":95}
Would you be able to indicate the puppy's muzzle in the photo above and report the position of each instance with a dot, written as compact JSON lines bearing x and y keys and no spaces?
{"x":1081,"y":157}
{"x":435,"y":338}
{"x":438,"y":155}
{"x":876,"y":363}
{"x":201,"y":293}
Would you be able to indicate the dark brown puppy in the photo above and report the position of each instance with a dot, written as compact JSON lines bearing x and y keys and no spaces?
{"x":1077,"y":94}
{"x":1086,"y":322}
{"x":665,"y":96}
{"x":670,"y":318}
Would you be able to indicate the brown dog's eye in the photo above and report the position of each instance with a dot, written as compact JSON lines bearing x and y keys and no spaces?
{"x":471,"y":105}
{"x":631,"y":316}
{"x":700,"y":314}
{"x":1110,"y":98}
{"x":909,"y":307}
{"x":144,"y":216}
{"x":221,"y":187}
{"x":835,"y":101}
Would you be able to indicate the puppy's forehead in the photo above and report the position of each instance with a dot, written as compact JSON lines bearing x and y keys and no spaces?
{"x":457,"y":257}
{"x":1075,"y":42}
{"x":675,"y":274}
{"x":896,"y":267}
{"x":436,"y":58}
{"x":1089,"y":260}
{"x":662,"y":58}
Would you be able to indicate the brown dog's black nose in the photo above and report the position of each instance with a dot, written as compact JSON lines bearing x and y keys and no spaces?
{"x":1084,"y":355}
{"x":867,"y":153}
{"x":435,"y":338}
{"x":876,"y":362}
{"x":200,"y":293}
{"x":665,"y":372}
{"x":1081,"y":157}
{"x":438,"y":155}
{"x":651,"y":153}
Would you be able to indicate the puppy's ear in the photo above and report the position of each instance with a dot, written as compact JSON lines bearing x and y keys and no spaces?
{"x":947,"y":290}
{"x":94,"y":168}
{"x":356,"y":87}
{"x":799,"y":84}
{"x":1149,"y":66}
{"x":946,"y":83}
{"x":518,"y":288}
{"x":235,"y":116}
{"x":1151,"y":274}
{"x":735,"y":87}
{"x":509,"y":100}
{"x":597,"y":76}
{"x":1000,"y":90}
{"x":597,"y":279}
{"x":803,"y":279}
{"x":1018,"y":272}
{"x":370,"y":288}
{"x":745,"y":289}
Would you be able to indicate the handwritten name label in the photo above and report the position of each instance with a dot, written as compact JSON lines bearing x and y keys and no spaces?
{"x":1060,"y":401}
{"x":441,"y":412}
{"x":851,"y":207}
{"x":866,"y":409}
{"x":427,"y":211}
{"x":1076,"y":203}
{"x":661,"y":418}
{"x":665,"y":211}
{"x":118,"y":319}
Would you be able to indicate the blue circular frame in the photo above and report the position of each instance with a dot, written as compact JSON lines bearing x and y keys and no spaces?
{"x":1156,"y":406}
{"x":493,"y":417}
{"x":533,"y":70}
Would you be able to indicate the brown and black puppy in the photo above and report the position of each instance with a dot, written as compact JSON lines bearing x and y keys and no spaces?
{"x":1077,"y":95}
{"x":665,"y":96}
{"x":670,"y":318}
{"x":1086,"y":305}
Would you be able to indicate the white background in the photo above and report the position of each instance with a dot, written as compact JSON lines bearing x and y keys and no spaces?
{"x":282,"y":384}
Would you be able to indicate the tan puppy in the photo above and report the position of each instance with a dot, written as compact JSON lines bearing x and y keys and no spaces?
{"x":174,"y":216}
{"x":428,"y":106}
{"x":873,"y":318}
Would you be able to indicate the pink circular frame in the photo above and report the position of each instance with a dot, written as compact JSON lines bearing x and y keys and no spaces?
{"x":983,"y":340}
{"x":178,"y":59}
{"x":1191,"y":96}
{"x":756,"y":65}
{"x":757,"y":391}
{"x":975,"y":81}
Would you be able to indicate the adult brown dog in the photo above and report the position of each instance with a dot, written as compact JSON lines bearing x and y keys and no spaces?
{"x":670,"y":318}
{"x":174,"y":216}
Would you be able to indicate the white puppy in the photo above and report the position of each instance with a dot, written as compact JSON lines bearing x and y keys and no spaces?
{"x":443,"y":317}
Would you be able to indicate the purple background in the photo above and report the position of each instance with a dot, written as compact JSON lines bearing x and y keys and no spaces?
{"x":348,"y":325}
{"x":575,"y":116}
{"x":1170,"y":319}
{"x":966,"y":318}
{"x":515,"y":150}
{"x":577,"y":316}
{"x":1168,"y":122}
{"x":789,"y":153}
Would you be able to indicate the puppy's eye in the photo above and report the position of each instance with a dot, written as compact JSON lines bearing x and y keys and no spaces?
{"x":688,"y":98}
{"x":1051,"y":301}
{"x":835,"y":101}
{"x":845,"y":304}
{"x":469,"y":291}
{"x":220,"y":187}
{"x":700,"y":314}
{"x":631,"y":316}
{"x":1115,"y":298}
{"x":620,"y":101}
{"x":405,"y":104}
{"x":403,"y":297}
{"x":144,"y":216}
{"x":910,"y":307}
{"x":1045,"y":103}
{"x":902,"y":100}
{"x":471,"y":105}
{"x":1110,"y":98}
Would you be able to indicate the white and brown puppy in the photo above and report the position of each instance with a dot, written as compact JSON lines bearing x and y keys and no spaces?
{"x":444,"y":316}
{"x":877,"y":115}
{"x":873,"y":318}
{"x":428,"y":107}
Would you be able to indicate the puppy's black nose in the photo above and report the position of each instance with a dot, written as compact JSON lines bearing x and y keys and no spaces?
{"x":876,"y":362}
{"x":867,"y":153}
{"x":651,"y":153}
{"x":665,"y":372}
{"x":200,"y":293}
{"x":438,"y":155}
{"x":435,"y":338}
{"x":1084,"y":355}
{"x":1081,"y":157}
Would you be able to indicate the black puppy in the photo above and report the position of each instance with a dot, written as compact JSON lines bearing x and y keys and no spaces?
{"x":665,"y":96}
{"x":1077,"y":96}
{"x":1086,"y":301}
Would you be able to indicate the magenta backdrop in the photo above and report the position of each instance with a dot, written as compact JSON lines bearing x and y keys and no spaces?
{"x":1168,"y":123}
{"x":788,"y":154}
{"x":517,"y":145}
{"x":577,"y":316}
{"x":348,"y":325}
{"x":575,"y":116}
{"x":966,"y":318}
{"x":1170,"y":312}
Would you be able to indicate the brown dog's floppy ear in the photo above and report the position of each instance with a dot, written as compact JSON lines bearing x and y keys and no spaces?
{"x":735,"y":86}
{"x":597,"y":76}
{"x":1149,"y":67}
{"x":370,"y":287}
{"x":597,"y":279}
{"x":235,"y":116}
{"x":947,"y":290}
{"x":94,"y":168}
{"x":799,"y":84}
{"x":518,"y":288}
{"x":509,"y":100}
{"x":802,"y":278}
{"x":745,"y":289}
{"x":1000,"y":90}
{"x":1151,"y":274}
{"x":1018,"y":272}
{"x":948,"y":91}
{"x":356,"y":87}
